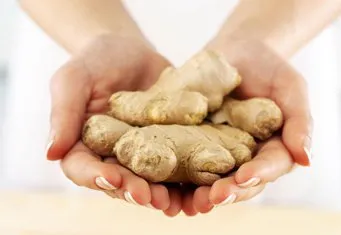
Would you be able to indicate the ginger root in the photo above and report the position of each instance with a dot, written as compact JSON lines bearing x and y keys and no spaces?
{"x":180,"y":96}
{"x":101,"y":132}
{"x":260,"y":117}
{"x":186,"y":128}
{"x":142,"y":109}
{"x":166,"y":153}
{"x":238,"y":135}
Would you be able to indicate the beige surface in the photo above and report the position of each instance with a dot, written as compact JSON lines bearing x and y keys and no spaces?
{"x":60,"y":214}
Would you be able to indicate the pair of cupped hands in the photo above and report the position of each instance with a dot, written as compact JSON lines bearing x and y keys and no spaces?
{"x":110,"y":63}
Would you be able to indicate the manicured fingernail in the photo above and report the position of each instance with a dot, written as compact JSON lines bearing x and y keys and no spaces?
{"x":250,"y":183}
{"x":229,"y":200}
{"x":48,"y":146}
{"x":49,"y":143}
{"x":307,"y":148}
{"x":129,"y":198}
{"x":149,"y":205}
{"x":104,"y":184}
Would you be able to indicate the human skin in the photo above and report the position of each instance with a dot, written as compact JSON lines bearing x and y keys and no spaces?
{"x":259,"y":42}
{"x":273,"y":32}
{"x":105,"y":57}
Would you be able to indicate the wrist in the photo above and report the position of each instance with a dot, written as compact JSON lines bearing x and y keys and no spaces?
{"x":235,"y":50}
{"x":247,"y":55}
{"x":240,"y":44}
{"x":104,"y":35}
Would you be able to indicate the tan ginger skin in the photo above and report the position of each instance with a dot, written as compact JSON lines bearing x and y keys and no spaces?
{"x":185,"y":128}
{"x":167,"y":153}
{"x":258,"y":116}
{"x":143,"y":108}
{"x":207,"y":77}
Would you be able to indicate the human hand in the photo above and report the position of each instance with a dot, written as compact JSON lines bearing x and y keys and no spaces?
{"x":264,"y":74}
{"x":81,"y":88}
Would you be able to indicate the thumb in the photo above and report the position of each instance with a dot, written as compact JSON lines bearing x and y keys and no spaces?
{"x":70,"y":92}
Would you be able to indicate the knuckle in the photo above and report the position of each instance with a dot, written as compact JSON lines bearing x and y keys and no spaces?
{"x":70,"y":70}
{"x":60,"y":74}
{"x":245,"y":169}
{"x":105,"y":170}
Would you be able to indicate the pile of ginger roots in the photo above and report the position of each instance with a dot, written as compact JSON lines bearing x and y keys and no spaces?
{"x":187,"y":127}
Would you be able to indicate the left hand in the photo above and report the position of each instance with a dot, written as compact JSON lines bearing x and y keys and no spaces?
{"x":264,"y":74}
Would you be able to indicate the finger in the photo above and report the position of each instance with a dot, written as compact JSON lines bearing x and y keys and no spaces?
{"x":84,"y":169}
{"x":175,"y":202}
{"x":248,"y":194}
{"x":160,"y":197}
{"x":115,"y":193}
{"x":70,"y":93}
{"x":223,"y":191}
{"x":187,"y":203}
{"x":226,"y":191}
{"x":159,"y":193}
{"x":290,"y":92}
{"x":201,"y":201}
{"x":271,"y":162}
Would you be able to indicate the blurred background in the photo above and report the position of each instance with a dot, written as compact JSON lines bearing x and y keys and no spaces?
{"x":28,"y":58}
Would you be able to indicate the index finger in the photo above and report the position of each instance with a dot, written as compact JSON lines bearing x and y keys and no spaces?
{"x":85,"y":169}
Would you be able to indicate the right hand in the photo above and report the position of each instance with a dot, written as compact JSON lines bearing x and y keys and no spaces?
{"x":81,"y":88}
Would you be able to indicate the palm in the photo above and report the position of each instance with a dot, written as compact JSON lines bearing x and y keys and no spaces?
{"x":264,"y":74}
{"x":81,"y":88}
{"x":268,"y":75}
{"x":112,"y":65}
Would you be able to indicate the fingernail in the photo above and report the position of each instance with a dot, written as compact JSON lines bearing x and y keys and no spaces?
{"x":48,"y":146}
{"x":129,"y":198}
{"x":104,"y":184}
{"x":307,"y":148}
{"x":229,"y":200}
{"x":149,"y":205}
{"x":250,"y":183}
{"x":49,"y":143}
